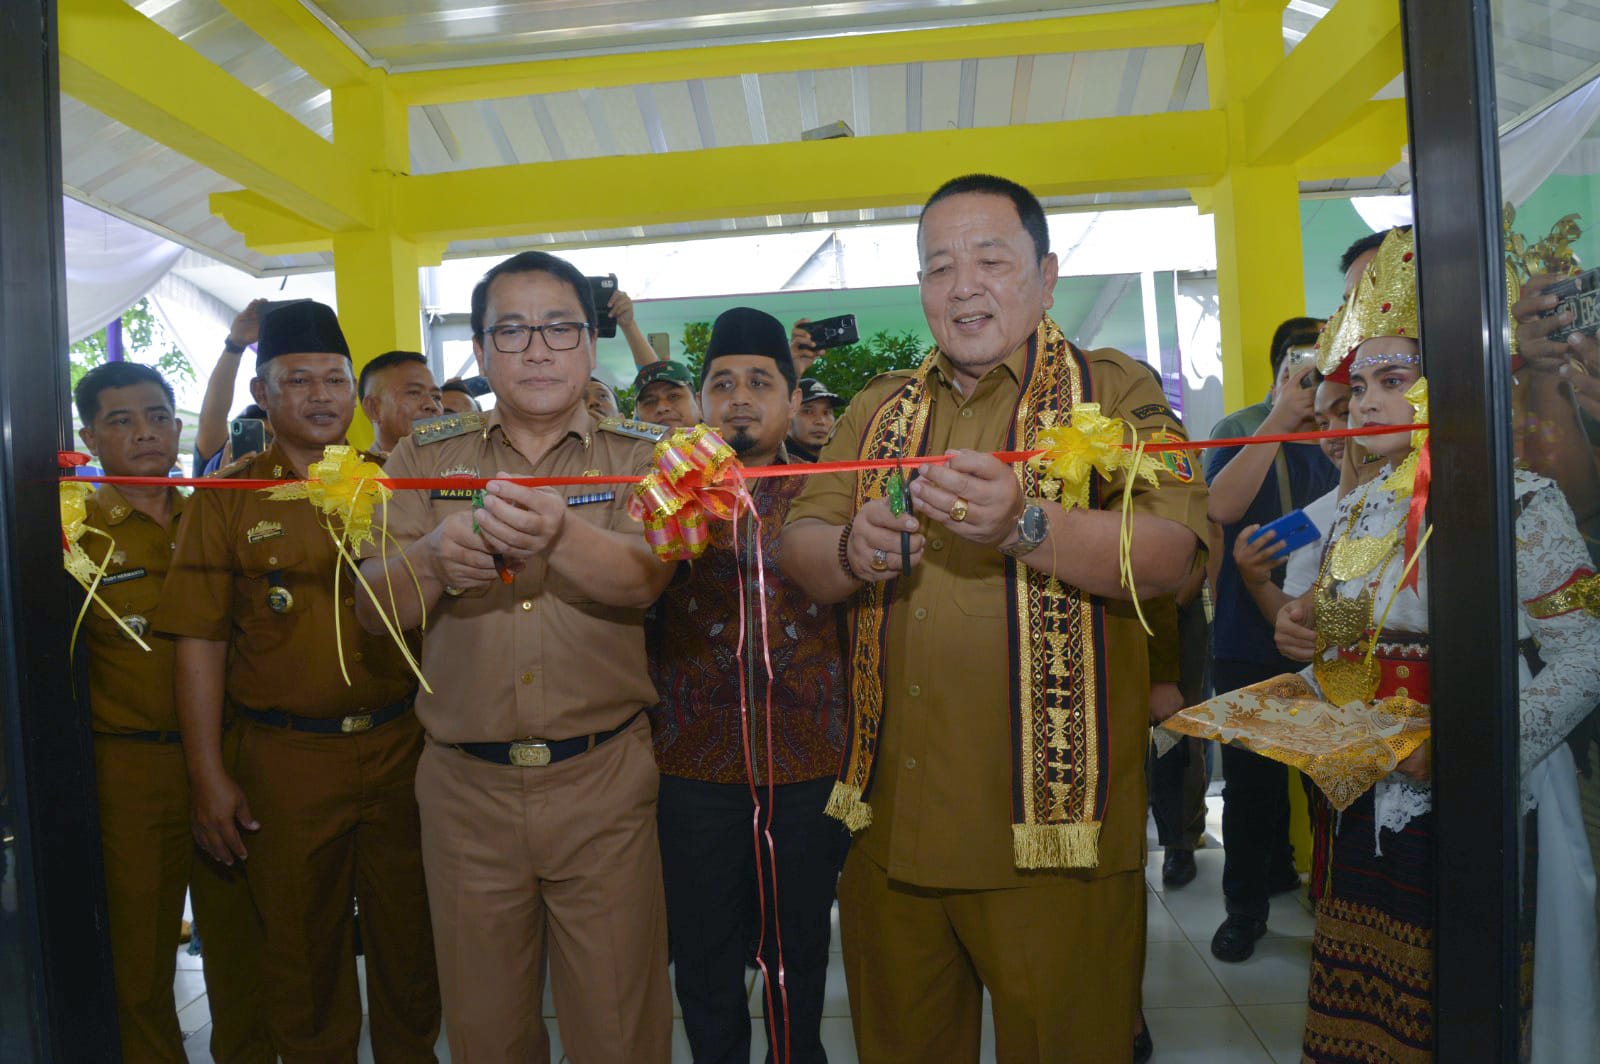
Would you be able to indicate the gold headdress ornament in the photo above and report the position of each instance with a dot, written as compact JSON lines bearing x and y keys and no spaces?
{"x":1553,"y":254}
{"x":1383,"y":303}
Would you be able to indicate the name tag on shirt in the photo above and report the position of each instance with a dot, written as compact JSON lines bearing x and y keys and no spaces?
{"x":123,"y":577}
{"x":591,"y":497}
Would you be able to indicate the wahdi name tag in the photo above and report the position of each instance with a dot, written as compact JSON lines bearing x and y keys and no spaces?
{"x":123,"y":577}
{"x":466,"y":494}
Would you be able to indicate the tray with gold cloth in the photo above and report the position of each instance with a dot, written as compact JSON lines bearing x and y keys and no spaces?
{"x":1343,"y":749}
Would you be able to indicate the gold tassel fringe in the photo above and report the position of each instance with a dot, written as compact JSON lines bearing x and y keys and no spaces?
{"x":1055,"y":845}
{"x":845,"y":804}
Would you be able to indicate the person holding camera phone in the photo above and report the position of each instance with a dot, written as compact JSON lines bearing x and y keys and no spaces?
{"x":1255,"y":485}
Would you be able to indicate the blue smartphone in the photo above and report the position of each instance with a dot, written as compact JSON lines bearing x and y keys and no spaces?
{"x":1294,"y":531}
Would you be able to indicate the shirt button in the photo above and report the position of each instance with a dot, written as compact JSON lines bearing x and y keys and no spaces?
{"x":966,"y":411}
{"x":527,"y":605}
{"x":527,"y":677}
{"x":937,"y":544}
{"x":349,"y":600}
{"x":357,"y":656}
{"x":915,"y":690}
{"x":272,"y":560}
{"x":911,"y":762}
{"x":921,"y":614}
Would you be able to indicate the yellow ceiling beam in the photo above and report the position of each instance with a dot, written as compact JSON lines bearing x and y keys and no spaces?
{"x":267,"y":227}
{"x":1321,"y":86}
{"x":304,"y":39}
{"x":128,"y":68}
{"x":1144,"y":28}
{"x":1165,"y":151}
{"x":1368,"y":146}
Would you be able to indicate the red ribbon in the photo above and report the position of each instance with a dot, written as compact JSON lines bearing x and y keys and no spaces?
{"x":69,"y":459}
{"x":1420,"y":483}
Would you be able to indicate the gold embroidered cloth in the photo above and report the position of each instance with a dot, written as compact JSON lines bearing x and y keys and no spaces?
{"x":1343,"y":749}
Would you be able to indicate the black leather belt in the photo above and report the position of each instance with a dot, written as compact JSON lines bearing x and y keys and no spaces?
{"x":537,"y":753}
{"x":354,"y":724}
{"x":144,"y":736}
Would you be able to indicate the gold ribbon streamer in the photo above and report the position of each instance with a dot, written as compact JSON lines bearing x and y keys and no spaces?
{"x":77,"y":562}
{"x":347,"y":487}
{"x":1092,"y":442}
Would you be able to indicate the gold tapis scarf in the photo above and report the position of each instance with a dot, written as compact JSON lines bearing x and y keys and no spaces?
{"x":1059,"y":734}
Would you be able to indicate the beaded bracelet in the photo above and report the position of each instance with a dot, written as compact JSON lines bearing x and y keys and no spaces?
{"x":844,"y":550}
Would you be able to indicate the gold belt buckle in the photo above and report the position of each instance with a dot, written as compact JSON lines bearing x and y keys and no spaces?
{"x":530,"y":755}
{"x":358,"y":722}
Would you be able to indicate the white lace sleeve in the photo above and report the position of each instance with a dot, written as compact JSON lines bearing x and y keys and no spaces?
{"x":1550,"y":552}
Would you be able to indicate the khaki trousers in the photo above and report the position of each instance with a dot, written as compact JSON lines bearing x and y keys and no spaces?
{"x":150,"y":860}
{"x":561,"y":859}
{"x":1061,"y":961}
{"x":339,"y":823}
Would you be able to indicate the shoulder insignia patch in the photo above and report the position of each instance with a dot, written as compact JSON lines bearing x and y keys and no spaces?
{"x":1174,"y":462}
{"x":445,"y":427}
{"x":648,"y":431}
{"x":1153,"y":410}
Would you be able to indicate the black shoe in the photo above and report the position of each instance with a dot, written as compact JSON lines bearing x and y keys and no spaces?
{"x":1284,"y":880}
{"x":1235,"y":940}
{"x":1143,"y":1048}
{"x":1177,"y":868}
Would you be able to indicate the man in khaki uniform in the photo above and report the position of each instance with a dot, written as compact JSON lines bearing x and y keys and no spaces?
{"x":538,"y":784}
{"x":150,"y":855}
{"x":324,"y":786}
{"x":999,"y":783}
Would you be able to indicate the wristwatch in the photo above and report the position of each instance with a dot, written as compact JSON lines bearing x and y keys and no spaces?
{"x":1032,"y":528}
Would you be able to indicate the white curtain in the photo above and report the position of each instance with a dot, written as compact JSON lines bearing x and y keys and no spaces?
{"x":110,"y":265}
{"x":1529,"y":154}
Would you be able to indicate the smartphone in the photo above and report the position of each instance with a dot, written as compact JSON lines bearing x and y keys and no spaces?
{"x":603,"y":288}
{"x":1293,"y":530}
{"x":246,"y":435}
{"x":1299,"y":360}
{"x":661,"y":344}
{"x":833,"y":332}
{"x":1580,"y":295}
{"x":478,"y":385}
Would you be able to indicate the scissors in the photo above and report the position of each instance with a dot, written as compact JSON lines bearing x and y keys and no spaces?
{"x":899,"y":494}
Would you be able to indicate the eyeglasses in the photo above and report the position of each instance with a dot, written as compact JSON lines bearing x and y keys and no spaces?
{"x":514,"y":338}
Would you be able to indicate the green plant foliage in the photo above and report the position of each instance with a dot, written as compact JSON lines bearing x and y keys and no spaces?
{"x":143,"y":340}
{"x":696,"y":338}
{"x":846,"y":370}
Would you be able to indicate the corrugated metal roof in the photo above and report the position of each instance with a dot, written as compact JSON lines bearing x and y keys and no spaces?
{"x":120,"y":170}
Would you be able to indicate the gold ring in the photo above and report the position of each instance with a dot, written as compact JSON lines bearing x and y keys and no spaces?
{"x":958,"y":512}
{"x":880,"y":561}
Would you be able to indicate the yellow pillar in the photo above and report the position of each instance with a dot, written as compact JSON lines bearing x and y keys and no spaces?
{"x":375,"y":270}
{"x":1256,"y":210}
{"x":1260,"y":275}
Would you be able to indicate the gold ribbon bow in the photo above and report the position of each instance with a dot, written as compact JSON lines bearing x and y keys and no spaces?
{"x":346,"y":490}
{"x":77,"y":562}
{"x":696,"y":474}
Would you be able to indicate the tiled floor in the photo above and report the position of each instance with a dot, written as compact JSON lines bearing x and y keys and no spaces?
{"x":1199,"y":1010}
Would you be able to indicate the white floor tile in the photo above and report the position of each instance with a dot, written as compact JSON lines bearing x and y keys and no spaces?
{"x":1290,"y":917}
{"x":195,"y":1016}
{"x":1281,"y":1029}
{"x":1203,"y":1036}
{"x":186,"y":960}
{"x":1160,"y":926}
{"x":1275,"y":975}
{"x":1175,"y":976}
{"x":197,"y":1046}
{"x":839,"y":1040}
{"x":188,"y":986}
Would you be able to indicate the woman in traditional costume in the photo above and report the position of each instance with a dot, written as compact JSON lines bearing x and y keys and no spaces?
{"x":1372,"y":954}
